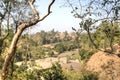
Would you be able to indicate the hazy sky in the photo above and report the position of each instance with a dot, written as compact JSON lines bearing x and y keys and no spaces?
{"x":60,"y":19}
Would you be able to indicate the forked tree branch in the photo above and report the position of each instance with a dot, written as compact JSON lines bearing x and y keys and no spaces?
{"x":36,"y":13}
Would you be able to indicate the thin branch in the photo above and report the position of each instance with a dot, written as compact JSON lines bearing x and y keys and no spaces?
{"x":7,"y":10}
{"x":80,"y":6}
{"x":72,"y":7}
{"x":49,"y":7}
{"x":7,"y":26}
{"x":107,"y":18}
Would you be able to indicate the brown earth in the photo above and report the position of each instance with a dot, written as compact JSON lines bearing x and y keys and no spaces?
{"x":107,"y":65}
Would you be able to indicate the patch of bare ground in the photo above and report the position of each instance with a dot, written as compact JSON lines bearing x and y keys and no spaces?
{"x":68,"y":53}
{"x":66,"y":64}
{"x":107,"y":65}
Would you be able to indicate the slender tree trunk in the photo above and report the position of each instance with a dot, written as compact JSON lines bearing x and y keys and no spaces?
{"x":111,"y":43}
{"x":92,"y":41}
{"x":104,"y":44}
{"x":0,"y":28}
{"x":0,"y":31}
{"x":10,"y":53}
{"x":1,"y":41}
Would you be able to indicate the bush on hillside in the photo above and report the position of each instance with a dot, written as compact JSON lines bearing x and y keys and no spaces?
{"x":59,"y":48}
{"x":86,"y":54}
{"x":54,"y":73}
{"x":89,"y":76}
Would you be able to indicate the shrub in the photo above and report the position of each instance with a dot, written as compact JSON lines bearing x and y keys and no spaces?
{"x":23,"y":73}
{"x":86,"y":54}
{"x":89,"y":76}
{"x":54,"y":73}
{"x":59,"y":48}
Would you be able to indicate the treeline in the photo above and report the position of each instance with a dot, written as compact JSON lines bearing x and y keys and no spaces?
{"x":49,"y":37}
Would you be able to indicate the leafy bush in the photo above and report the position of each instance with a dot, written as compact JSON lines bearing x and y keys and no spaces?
{"x":86,"y":54}
{"x":71,"y":47}
{"x":54,"y":73}
{"x":65,"y":46}
{"x":59,"y":48}
{"x":89,"y":76}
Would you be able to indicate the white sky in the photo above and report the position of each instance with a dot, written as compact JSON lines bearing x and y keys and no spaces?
{"x":60,"y":19}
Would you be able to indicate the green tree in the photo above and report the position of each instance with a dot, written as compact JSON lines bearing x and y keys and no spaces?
{"x":92,"y":12}
{"x":106,"y":33}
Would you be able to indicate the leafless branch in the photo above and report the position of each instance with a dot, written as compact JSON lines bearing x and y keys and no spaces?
{"x":49,"y":7}
{"x":7,"y":25}
{"x":80,"y":6}
{"x":72,"y":6}
{"x":6,"y":11}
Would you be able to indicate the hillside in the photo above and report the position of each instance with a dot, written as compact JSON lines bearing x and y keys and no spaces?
{"x":106,"y":65}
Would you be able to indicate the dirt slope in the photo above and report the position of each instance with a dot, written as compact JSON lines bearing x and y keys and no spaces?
{"x":107,"y":65}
